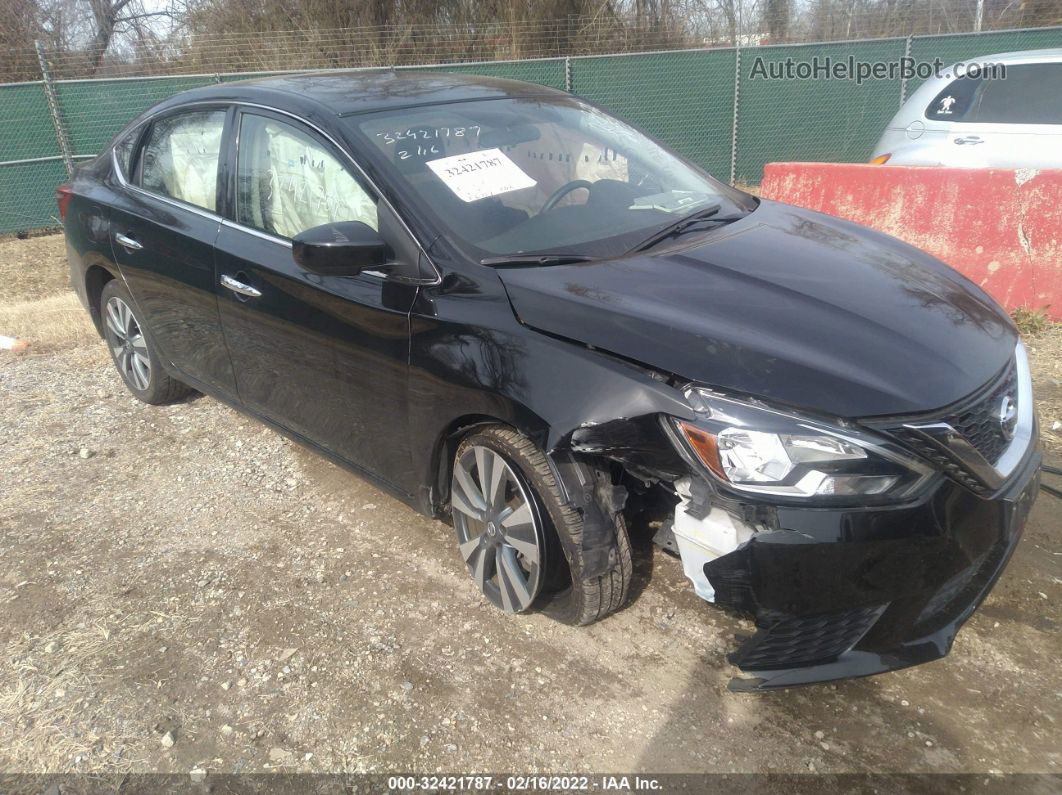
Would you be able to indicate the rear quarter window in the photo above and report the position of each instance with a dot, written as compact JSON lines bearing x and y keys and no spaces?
{"x":123,"y":153}
{"x":953,"y":103}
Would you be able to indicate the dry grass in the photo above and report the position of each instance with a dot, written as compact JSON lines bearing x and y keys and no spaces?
{"x":42,"y":703}
{"x":63,"y":701}
{"x":35,"y":299}
{"x":49,"y":324}
{"x":33,"y":268}
{"x":1031,"y":322}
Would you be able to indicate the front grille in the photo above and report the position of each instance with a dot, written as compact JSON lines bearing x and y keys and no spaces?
{"x":786,"y":641}
{"x":953,"y":470}
{"x":979,"y":422}
{"x":976,"y":420}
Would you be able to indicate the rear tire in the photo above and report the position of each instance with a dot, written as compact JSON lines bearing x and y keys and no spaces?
{"x":561,"y":592}
{"x":133,"y":349}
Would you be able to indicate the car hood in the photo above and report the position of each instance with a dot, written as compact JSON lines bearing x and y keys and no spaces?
{"x":786,"y":304}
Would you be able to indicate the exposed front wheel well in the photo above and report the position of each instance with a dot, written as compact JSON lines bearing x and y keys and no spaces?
{"x":539,"y":524}
{"x":446,"y":447}
{"x":96,"y":279}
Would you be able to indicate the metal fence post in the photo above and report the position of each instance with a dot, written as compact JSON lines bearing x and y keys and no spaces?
{"x":568,"y":73}
{"x":734,"y":126}
{"x":903,"y":78}
{"x":53,"y":109}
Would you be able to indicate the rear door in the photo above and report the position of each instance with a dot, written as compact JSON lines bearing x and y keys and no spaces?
{"x":323,"y":356}
{"x":163,"y":226}
{"x":1008,"y":122}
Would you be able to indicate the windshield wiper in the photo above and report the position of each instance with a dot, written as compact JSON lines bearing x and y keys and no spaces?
{"x":678,"y":226}
{"x":537,"y":259}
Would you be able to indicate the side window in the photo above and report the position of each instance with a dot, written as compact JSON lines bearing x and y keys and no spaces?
{"x":288,"y":182}
{"x":180,"y":157}
{"x":1029,"y":94}
{"x":953,"y":103}
{"x":123,"y":151}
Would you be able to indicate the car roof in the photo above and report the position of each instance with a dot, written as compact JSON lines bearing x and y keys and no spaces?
{"x":346,"y":93}
{"x":1030,"y":56}
{"x":1023,"y":56}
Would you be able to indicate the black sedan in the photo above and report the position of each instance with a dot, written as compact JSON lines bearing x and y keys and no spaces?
{"x":518,"y":313}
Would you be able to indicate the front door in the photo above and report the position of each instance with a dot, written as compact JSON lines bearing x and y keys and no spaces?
{"x":324,"y":356}
{"x":163,"y":227}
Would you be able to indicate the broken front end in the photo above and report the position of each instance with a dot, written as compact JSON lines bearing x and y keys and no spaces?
{"x":856,"y":547}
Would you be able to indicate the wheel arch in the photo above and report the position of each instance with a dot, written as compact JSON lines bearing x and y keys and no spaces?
{"x":583,"y":483}
{"x":96,"y":278}
{"x":448,"y":440}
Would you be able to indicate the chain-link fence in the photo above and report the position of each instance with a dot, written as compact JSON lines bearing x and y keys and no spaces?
{"x":706,"y":102}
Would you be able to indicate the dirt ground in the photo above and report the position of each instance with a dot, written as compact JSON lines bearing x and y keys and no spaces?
{"x":183,"y":589}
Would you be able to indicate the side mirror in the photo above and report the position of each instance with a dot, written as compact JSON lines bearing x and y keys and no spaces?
{"x":341,"y":249}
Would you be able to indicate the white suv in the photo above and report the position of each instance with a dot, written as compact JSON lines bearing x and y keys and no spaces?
{"x":982,"y":122}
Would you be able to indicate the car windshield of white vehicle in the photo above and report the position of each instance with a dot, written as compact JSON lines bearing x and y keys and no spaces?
{"x":513,"y":177}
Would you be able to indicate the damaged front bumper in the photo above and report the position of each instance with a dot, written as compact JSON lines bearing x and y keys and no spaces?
{"x":839,"y":593}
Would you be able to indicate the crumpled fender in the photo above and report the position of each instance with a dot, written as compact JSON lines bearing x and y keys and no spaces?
{"x":639,"y":444}
{"x":562,"y":395}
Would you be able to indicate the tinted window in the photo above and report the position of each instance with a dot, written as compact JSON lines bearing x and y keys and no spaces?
{"x":1030,"y":94}
{"x":180,"y":157}
{"x":954,"y":101}
{"x":289,"y":182}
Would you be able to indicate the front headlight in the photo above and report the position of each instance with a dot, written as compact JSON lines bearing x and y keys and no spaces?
{"x":756,"y":449}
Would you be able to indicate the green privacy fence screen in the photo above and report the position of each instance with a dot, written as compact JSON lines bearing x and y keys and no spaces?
{"x":826,"y":120}
{"x":685,"y":98}
{"x":26,"y":135}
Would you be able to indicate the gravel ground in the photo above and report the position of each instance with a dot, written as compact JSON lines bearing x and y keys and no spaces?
{"x":182,"y":588}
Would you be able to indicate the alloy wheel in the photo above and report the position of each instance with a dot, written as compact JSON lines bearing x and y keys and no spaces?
{"x":499,"y":532}
{"x":127,"y":344}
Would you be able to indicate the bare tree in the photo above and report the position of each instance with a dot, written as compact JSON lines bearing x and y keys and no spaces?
{"x":82,"y":33}
{"x":97,"y":37}
{"x":110,"y":16}
{"x":777,"y":19}
{"x":20,"y":26}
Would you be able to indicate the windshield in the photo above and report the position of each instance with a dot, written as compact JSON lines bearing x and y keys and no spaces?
{"x":539,"y":175}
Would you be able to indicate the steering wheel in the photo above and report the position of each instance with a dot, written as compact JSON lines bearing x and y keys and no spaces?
{"x":563,"y":191}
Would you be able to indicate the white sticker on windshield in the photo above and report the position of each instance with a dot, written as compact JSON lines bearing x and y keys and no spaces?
{"x":477,"y":175}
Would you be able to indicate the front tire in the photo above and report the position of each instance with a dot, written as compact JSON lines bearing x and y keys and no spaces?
{"x":501,"y":480}
{"x":133,"y":351}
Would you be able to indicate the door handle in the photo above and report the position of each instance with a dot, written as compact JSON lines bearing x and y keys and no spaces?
{"x":969,"y":139}
{"x":126,"y":242}
{"x":239,"y":287}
